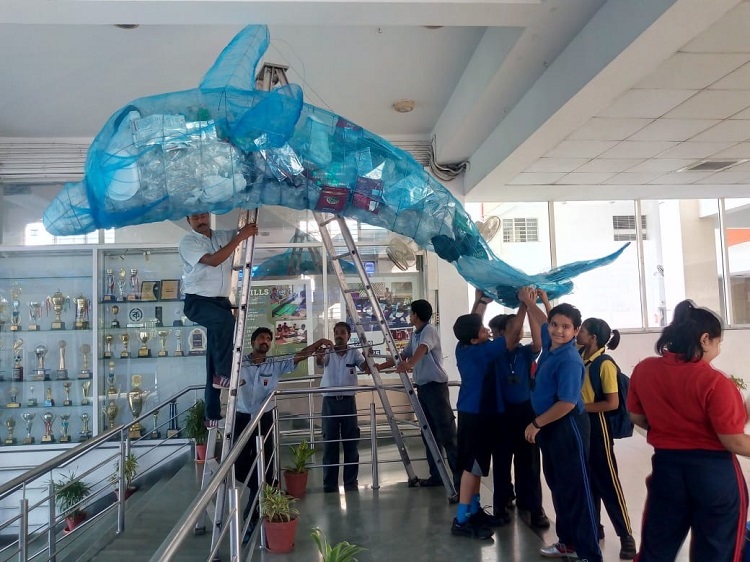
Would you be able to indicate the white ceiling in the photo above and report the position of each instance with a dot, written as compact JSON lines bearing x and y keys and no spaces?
{"x":549,"y":100}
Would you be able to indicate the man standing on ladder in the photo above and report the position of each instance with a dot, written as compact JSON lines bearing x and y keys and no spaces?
{"x":424,"y":356}
{"x":207,"y":268}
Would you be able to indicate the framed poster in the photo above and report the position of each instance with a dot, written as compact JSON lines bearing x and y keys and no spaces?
{"x":170,"y":289}
{"x":150,"y":290}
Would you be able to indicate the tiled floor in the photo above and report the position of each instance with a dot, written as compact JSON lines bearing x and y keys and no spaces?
{"x":413,"y":524}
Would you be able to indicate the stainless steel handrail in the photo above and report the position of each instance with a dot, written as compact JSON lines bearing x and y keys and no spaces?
{"x":71,"y":454}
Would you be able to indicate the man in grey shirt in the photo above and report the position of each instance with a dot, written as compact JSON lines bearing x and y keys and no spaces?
{"x":424,"y":356}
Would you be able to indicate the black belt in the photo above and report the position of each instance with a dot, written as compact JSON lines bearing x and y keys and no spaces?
{"x":339,"y":396}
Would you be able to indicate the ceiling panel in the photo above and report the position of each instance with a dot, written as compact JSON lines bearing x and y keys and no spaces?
{"x":663,"y":165}
{"x":728,"y":35}
{"x":600,"y":128}
{"x":737,"y":130}
{"x":577,"y":178}
{"x":724,"y":178}
{"x":599,"y":165}
{"x":580,"y":149}
{"x":646,"y":103}
{"x":638,"y":149}
{"x":672,"y":129}
{"x":712,"y":104}
{"x":737,"y":80}
{"x":693,"y":71}
{"x":681,"y":178}
{"x":536,"y":179}
{"x":695,"y":150}
{"x":741,"y":150}
{"x":633,"y":178}
{"x":557,"y":164}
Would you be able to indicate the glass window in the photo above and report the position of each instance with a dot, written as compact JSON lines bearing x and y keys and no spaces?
{"x":737,"y":225}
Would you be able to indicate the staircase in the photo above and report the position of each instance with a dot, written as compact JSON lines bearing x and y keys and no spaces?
{"x":150,"y":515}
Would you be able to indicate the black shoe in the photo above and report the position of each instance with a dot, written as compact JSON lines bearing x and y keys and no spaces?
{"x":470,"y":530}
{"x":482,"y":518}
{"x":352,"y":487}
{"x":539,"y":521}
{"x":502,"y":515}
{"x":330,"y":489}
{"x":453,"y":499}
{"x":430,"y":482}
{"x":627,"y":548}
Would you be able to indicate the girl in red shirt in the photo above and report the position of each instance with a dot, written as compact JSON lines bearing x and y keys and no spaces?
{"x":695,"y":420}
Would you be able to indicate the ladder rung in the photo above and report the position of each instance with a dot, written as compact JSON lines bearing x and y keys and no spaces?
{"x":352,"y":290}
{"x":326,"y":222}
{"x":342,"y":256}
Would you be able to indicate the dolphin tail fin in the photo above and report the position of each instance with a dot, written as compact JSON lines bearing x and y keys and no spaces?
{"x":237,"y":64}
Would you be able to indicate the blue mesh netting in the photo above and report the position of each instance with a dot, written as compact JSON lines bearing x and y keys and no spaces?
{"x":226,"y":145}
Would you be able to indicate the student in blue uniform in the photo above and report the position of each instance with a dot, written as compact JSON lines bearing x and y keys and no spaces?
{"x":561,"y":427}
{"x":339,"y":412}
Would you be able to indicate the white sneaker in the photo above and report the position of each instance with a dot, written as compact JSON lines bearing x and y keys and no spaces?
{"x":558,"y":550}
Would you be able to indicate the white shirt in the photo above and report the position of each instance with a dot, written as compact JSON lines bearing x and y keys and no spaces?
{"x":199,"y":278}
{"x":261,"y":380}
{"x":341,"y":370}
{"x":430,"y":367}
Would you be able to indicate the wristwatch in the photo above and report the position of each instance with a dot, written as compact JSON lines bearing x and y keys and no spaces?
{"x":536,"y":425}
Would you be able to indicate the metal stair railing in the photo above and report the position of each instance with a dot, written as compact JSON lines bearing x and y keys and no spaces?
{"x":22,"y":484}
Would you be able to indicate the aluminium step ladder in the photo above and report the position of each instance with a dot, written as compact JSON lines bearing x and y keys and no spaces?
{"x":353,"y":254}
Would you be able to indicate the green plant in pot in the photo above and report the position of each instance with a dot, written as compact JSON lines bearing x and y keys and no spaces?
{"x":195,"y":428}
{"x":295,"y":474}
{"x":69,"y":493}
{"x":340,"y":552}
{"x":279,"y":518}
{"x":130,"y":470}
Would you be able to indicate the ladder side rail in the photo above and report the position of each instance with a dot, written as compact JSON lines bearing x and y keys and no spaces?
{"x":391,"y":344}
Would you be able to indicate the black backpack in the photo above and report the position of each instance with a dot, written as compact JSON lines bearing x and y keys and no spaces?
{"x":618,"y":420}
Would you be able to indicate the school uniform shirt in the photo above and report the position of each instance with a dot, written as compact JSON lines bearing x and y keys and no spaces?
{"x":261,"y":379}
{"x":341,"y":370}
{"x":559,"y":375}
{"x":480,"y":391}
{"x":514,"y":370}
{"x":201,"y":279}
{"x":686,"y":404}
{"x":430,"y":367}
{"x":608,"y":374}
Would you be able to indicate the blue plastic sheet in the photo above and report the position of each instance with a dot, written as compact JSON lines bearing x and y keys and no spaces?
{"x":226,"y":145}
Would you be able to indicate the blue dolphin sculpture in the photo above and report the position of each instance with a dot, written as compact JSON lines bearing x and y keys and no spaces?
{"x":226,"y":145}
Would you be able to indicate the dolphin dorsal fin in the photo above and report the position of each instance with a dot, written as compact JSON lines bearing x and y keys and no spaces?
{"x":236,"y":66}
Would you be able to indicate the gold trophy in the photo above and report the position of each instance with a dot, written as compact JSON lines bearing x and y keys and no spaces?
{"x":144,"y":336}
{"x":10,"y":423}
{"x":49,"y":436}
{"x":31,"y":400}
{"x":178,"y":350}
{"x":121,"y":275}
{"x":15,"y":301}
{"x":136,"y":397}
{"x":85,"y":433}
{"x":85,"y":386}
{"x":125,"y":353}
{"x":115,"y":322}
{"x":66,"y":388}
{"x":107,"y":346}
{"x":58,"y":301}
{"x":48,"y":400}
{"x":28,"y":417}
{"x":155,"y":433}
{"x":41,"y":373}
{"x":111,"y":388}
{"x":110,"y":411}
{"x":64,"y":423}
{"x":13,"y":398}
{"x":18,"y":360}
{"x":62,"y":371}
{"x":82,"y":313}
{"x":35,"y":312}
{"x":85,"y":372}
{"x":163,"y":335}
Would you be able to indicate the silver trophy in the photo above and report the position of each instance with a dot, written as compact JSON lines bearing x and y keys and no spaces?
{"x":107,"y":346}
{"x":121,"y":275}
{"x":82,"y":313}
{"x":111,"y":388}
{"x":85,"y":432}
{"x":31,"y":400}
{"x":28,"y":417}
{"x":135,"y":286}
{"x":41,"y":373}
{"x":109,"y":285}
{"x":85,"y":372}
{"x":35,"y":312}
{"x":49,"y":436}
{"x":62,"y":371}
{"x":85,"y":386}
{"x":66,"y":389}
{"x":15,"y":301}
{"x":178,"y":350}
{"x":65,"y":424}
{"x":18,"y":360}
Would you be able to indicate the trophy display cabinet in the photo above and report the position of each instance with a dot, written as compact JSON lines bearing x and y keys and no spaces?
{"x":47,"y":361}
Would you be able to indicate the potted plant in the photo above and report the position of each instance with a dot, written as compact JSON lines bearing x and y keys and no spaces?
{"x":129,"y":472}
{"x":340,"y":552}
{"x":195,"y":428}
{"x":69,"y":493}
{"x":279,"y":518}
{"x":295,"y":475}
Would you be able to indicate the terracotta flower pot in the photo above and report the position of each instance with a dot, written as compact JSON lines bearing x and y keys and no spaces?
{"x":200,"y":452}
{"x":280,"y":535}
{"x":72,"y":521}
{"x":296,"y":483}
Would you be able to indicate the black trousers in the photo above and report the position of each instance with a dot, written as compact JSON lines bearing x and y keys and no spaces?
{"x":214,"y":314}
{"x":435,"y":401}
{"x":526,"y":461}
{"x":340,"y":422}
{"x":249,"y":453}
{"x":700,"y":491}
{"x":605,"y":481}
{"x":565,"y":459}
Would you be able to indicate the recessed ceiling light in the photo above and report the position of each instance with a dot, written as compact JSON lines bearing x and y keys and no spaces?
{"x":403,"y":106}
{"x":127,"y":25}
